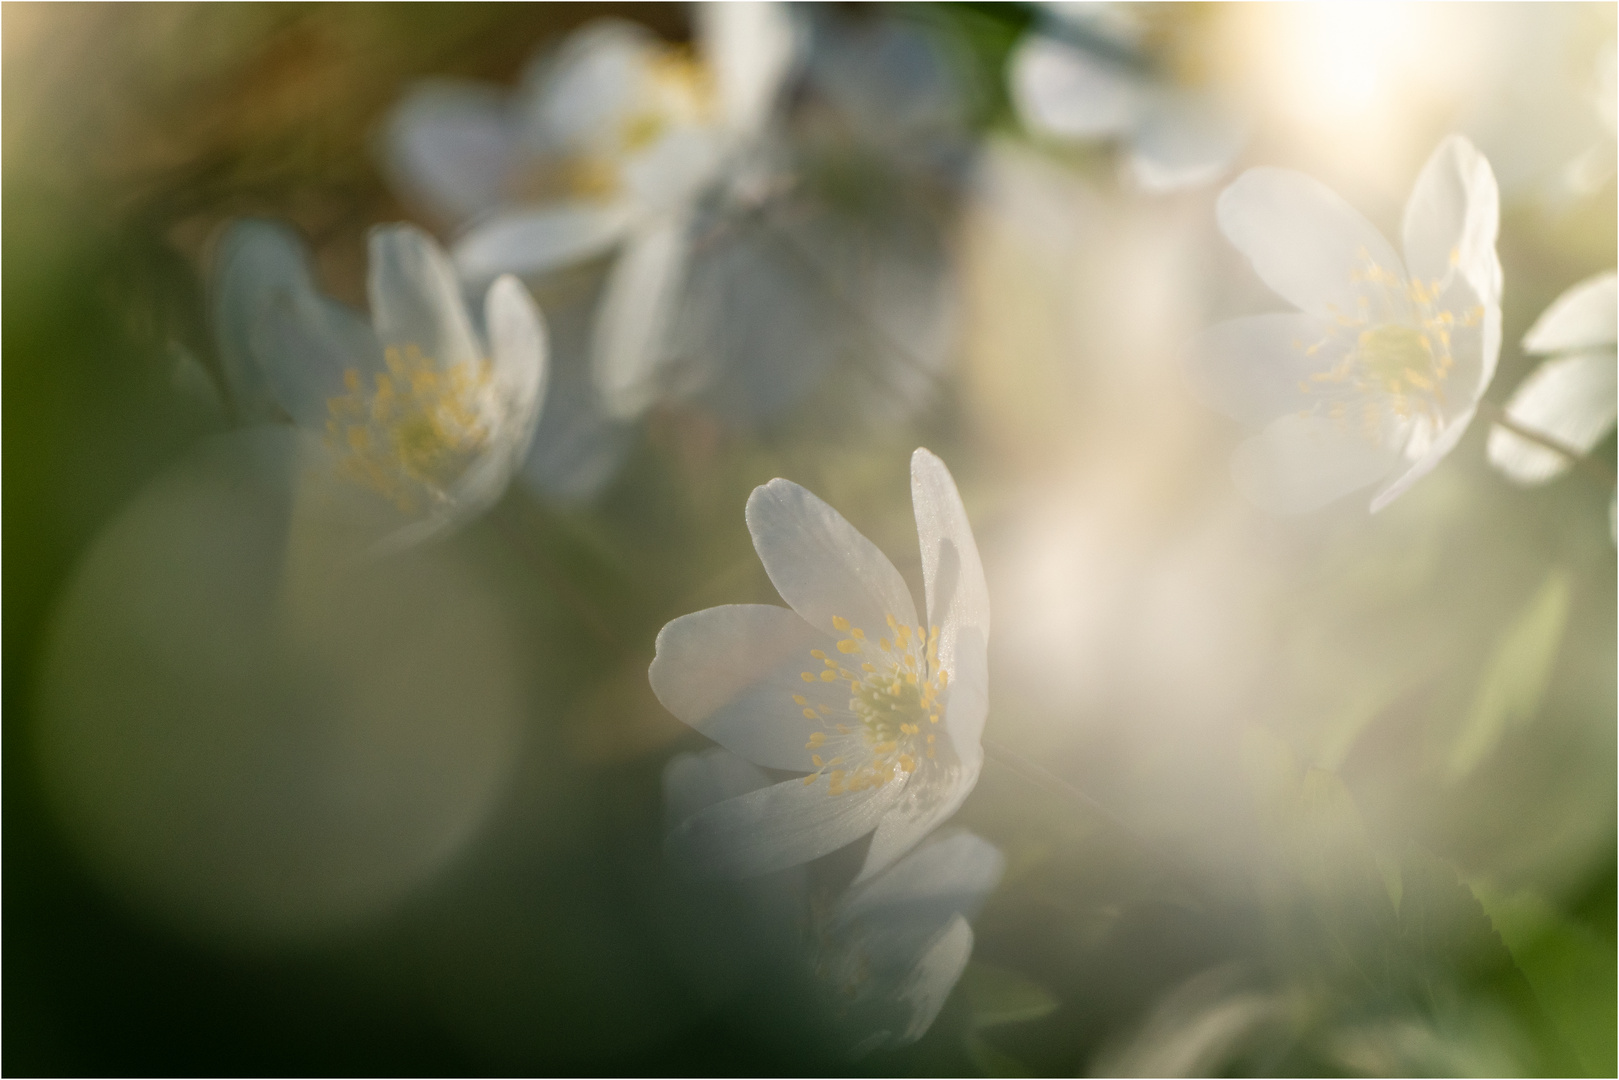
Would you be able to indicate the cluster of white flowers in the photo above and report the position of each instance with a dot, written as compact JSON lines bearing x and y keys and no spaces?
{"x":878,"y":714}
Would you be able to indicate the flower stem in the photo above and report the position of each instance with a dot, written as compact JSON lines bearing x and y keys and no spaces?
{"x":1498,"y":416}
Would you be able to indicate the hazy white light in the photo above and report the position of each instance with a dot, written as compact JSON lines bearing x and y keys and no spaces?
{"x":1340,"y":55}
{"x":259,"y":765}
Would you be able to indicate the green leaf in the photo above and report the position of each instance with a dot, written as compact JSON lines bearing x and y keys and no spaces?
{"x":991,"y":1061}
{"x":1571,"y":970}
{"x":998,"y":996}
{"x":1515,"y":678}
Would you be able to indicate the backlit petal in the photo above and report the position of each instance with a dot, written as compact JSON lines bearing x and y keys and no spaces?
{"x":1583,"y":316}
{"x":533,"y":241}
{"x":1569,"y":398}
{"x":416,"y":297}
{"x":1452,"y":218}
{"x":634,"y":318}
{"x":777,"y":827}
{"x":1300,"y":463}
{"x":821,"y":565}
{"x":448,"y":145}
{"x":732,"y":673}
{"x":1068,"y":93}
{"x":1257,"y":368}
{"x":1305,"y":242}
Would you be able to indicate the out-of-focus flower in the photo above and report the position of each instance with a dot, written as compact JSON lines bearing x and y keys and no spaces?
{"x":1379,"y":373}
{"x":886,"y":952}
{"x":1080,"y":78}
{"x":417,"y":410}
{"x":608,"y":143}
{"x":883,"y":713}
{"x":1570,"y":398}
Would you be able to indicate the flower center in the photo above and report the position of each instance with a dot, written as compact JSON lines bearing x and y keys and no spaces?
{"x":896,"y":692}
{"x":411,"y":433}
{"x":1398,"y":362}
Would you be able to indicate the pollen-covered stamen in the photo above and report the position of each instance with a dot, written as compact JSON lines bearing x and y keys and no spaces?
{"x":895,"y":699}
{"x":414,"y":430}
{"x":1395,"y":364}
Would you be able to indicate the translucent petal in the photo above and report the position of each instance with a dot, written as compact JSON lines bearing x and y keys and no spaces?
{"x":934,"y":976}
{"x":1183,"y":141}
{"x":777,"y":827}
{"x":1583,"y":316}
{"x":1300,"y":463}
{"x":673,"y":170}
{"x":1444,"y":444}
{"x":448,"y":144}
{"x":1257,"y":368}
{"x":949,"y":875}
{"x":533,"y":241}
{"x":749,"y":46}
{"x":1571,"y":399}
{"x":1452,"y":218}
{"x":416,"y":298}
{"x":518,"y":370}
{"x":932,"y":796}
{"x":1305,"y":242}
{"x":822,"y":566}
{"x":732,"y":672}
{"x":633,"y":321}
{"x":952,"y":572}
{"x":281,"y":343}
{"x":586,"y":87}
{"x":694,"y":781}
{"x":1065,"y":92}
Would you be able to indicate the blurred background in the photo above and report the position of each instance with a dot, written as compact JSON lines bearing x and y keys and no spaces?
{"x":1335,"y":794}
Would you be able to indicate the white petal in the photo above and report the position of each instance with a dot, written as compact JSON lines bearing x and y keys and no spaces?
{"x":1253,"y":368}
{"x":633,"y":321}
{"x":1065,"y":92}
{"x":1571,"y":399}
{"x":952,"y":572}
{"x":1305,"y":242}
{"x":1444,"y":444}
{"x":416,"y":298}
{"x":576,"y":449}
{"x":1183,"y":141}
{"x":673,"y":170}
{"x":281,"y":343}
{"x":518,"y":370}
{"x":1300,"y":463}
{"x":934,"y":976}
{"x":588,"y":86}
{"x":527,"y":242}
{"x":731,"y":672}
{"x":943,"y":878}
{"x":692,"y":782}
{"x":777,"y":827}
{"x":821,"y":565}
{"x":448,"y":144}
{"x":1583,"y":316}
{"x":1452,"y":218}
{"x":933,"y":794}
{"x":749,"y":46}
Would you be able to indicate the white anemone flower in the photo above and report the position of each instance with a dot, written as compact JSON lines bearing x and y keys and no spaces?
{"x":1077,"y":80}
{"x":608,"y":143}
{"x":1571,"y":397}
{"x":1376,"y":377}
{"x":882,"y":713}
{"x":416,"y":410}
{"x":887,"y":951}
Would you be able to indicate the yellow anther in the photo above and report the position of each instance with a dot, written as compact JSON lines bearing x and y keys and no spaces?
{"x":811,"y":778}
{"x":848,"y":645}
{"x":831,"y":663}
{"x":815,"y":759}
{"x":816,"y":741}
{"x":868,"y":667}
{"x":944,"y":679}
{"x":810,"y":714}
{"x":807,"y":676}
{"x":818,"y":654}
{"x":882,"y":643}
{"x":893,"y":623}
{"x":839,"y":623}
{"x":800,"y":699}
{"x":829,"y":675}
{"x":857,"y":633}
{"x":907,"y":763}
